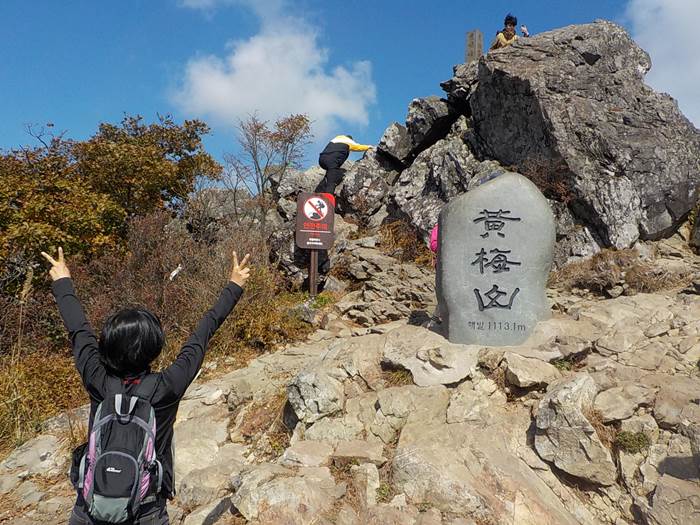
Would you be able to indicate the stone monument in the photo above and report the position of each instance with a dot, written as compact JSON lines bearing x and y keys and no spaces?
{"x":496,"y":244}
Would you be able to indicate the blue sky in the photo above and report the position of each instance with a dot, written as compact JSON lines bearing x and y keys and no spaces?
{"x":353,"y":65}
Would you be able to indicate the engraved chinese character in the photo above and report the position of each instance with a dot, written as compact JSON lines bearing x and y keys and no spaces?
{"x":493,"y":295}
{"x":494,"y":221}
{"x":499,"y":262}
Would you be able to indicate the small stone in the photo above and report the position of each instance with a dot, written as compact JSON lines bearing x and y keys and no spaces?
{"x":524,"y":372}
{"x":307,"y":454}
{"x":314,"y":395}
{"x":363,"y":451}
{"x":615,"y":291}
{"x":620,"y":402}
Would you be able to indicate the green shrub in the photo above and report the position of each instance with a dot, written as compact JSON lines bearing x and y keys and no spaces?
{"x":632,"y":442}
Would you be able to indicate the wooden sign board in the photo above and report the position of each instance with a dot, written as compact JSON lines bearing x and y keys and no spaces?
{"x":314,"y":228}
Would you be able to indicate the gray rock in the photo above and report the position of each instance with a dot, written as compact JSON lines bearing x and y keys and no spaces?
{"x":469,"y":404}
{"x":577,"y":94}
{"x":197,"y":440}
{"x":396,"y":143}
{"x":620,"y":402}
{"x":314,"y":395}
{"x":566,"y":438}
{"x":363,"y":451}
{"x":435,"y":177}
{"x":428,"y":119}
{"x":307,"y":454}
{"x":675,"y":502}
{"x":209,"y":514}
{"x":203,"y":486}
{"x":40,"y":456}
{"x":274,"y":494}
{"x":365,"y":187}
{"x":526,"y":372}
{"x":365,"y":477}
{"x":431,"y":359}
{"x":481,"y":477}
{"x":8,"y":483}
{"x":496,"y":295}
{"x":575,"y":240}
{"x":28,"y":494}
{"x":672,"y":398}
{"x":643,"y":423}
{"x":288,"y":185}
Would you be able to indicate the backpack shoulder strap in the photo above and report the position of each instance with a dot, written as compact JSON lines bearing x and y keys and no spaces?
{"x":146,"y":389}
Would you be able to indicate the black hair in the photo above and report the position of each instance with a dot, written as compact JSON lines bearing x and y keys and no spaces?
{"x":130,"y":340}
{"x":510,"y":19}
{"x":350,"y":137}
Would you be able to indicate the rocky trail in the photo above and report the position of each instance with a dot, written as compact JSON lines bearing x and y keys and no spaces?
{"x":595,"y":420}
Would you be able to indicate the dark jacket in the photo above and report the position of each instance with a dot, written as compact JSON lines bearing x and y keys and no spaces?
{"x":171,"y":382}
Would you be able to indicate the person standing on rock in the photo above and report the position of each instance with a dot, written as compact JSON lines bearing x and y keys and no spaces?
{"x":507,"y":36}
{"x":116,"y":372}
{"x":332,"y":158}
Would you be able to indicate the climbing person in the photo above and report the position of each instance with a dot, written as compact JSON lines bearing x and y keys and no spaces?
{"x":507,"y":36}
{"x":332,"y":158}
{"x":124,"y":474}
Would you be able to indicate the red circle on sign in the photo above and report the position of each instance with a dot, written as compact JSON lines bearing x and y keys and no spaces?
{"x":315,"y":209}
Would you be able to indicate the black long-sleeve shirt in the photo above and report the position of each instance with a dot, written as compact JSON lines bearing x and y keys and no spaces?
{"x":172,"y":382}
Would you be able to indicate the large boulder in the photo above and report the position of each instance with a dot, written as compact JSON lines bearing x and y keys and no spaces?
{"x":365,"y":186}
{"x":576,"y":97}
{"x":436,"y":176}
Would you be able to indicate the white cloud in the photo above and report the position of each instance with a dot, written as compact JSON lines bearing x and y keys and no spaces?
{"x":279,"y":71}
{"x":667,"y":30}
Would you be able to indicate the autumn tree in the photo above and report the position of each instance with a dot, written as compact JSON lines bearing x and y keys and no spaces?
{"x":267,"y":153}
{"x":81,"y":194}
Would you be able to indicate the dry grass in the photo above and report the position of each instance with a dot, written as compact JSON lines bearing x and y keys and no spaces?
{"x":386,"y":490}
{"x":396,"y":376}
{"x":265,"y":420}
{"x":597,"y":273}
{"x":605,"y":433}
{"x":37,"y":377}
{"x":647,"y":279}
{"x":551,"y":177}
{"x":611,"y":267}
{"x":402,"y":241}
{"x":33,"y":389}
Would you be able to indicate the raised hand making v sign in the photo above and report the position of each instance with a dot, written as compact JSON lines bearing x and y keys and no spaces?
{"x":240,"y":272}
{"x":59,"y":270}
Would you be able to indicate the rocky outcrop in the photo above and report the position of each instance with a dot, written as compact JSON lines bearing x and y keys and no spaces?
{"x":576,"y":96}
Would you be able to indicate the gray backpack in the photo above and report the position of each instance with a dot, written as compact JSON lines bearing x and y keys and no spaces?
{"x":119,"y":470}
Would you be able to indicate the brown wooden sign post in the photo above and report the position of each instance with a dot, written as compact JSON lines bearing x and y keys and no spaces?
{"x":314,"y":230}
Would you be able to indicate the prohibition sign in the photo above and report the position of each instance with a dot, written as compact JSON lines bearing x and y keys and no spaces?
{"x":315,"y":209}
